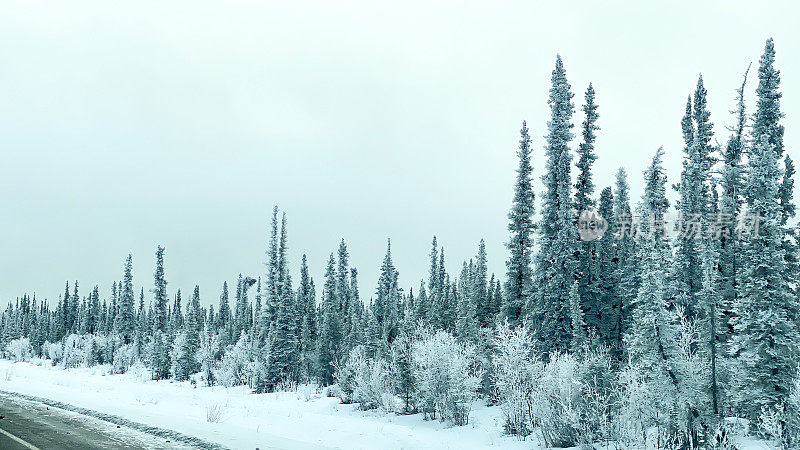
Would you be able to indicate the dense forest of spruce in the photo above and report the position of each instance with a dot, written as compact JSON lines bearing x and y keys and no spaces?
{"x":637,"y":338}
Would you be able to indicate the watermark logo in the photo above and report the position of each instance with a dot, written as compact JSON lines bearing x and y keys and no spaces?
{"x":591,"y":225}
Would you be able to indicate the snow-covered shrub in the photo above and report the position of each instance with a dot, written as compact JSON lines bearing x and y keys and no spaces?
{"x":179,"y":370}
{"x":646,"y":402}
{"x":96,"y":350}
{"x":240,"y":364}
{"x":75,"y":351}
{"x":793,"y":412}
{"x":205,"y":355}
{"x":214,"y":413}
{"x":54,"y":350}
{"x":345,"y":374}
{"x":125,"y":357}
{"x":770,"y":425}
{"x":557,"y":401}
{"x":599,"y":395}
{"x":373,"y":388}
{"x":516,"y":370}
{"x":19,"y":350}
{"x":447,"y":376}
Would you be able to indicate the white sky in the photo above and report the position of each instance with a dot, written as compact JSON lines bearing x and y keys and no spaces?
{"x":124,"y":125}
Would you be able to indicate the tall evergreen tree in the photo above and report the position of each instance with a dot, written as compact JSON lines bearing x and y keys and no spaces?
{"x":518,"y":283}
{"x":126,"y":319}
{"x":556,"y":264}
{"x":330,"y":339}
{"x":588,"y":288}
{"x":160,"y":292}
{"x":766,"y":340}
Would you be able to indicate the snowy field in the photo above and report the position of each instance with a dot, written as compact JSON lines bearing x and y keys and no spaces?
{"x":298,"y":420}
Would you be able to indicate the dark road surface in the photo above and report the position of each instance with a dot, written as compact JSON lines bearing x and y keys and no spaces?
{"x":28,"y":425}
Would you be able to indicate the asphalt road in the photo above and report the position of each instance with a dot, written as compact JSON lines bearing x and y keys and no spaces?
{"x":28,"y":425}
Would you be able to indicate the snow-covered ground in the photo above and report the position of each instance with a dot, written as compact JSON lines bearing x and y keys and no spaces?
{"x":296,"y":420}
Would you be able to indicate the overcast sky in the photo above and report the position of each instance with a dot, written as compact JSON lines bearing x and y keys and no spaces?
{"x":124,"y":125}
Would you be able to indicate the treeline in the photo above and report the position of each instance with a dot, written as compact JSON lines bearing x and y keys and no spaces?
{"x":636,"y":335}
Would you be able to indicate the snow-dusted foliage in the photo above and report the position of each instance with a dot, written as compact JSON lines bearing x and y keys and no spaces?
{"x":240,"y":364}
{"x":345,"y":374}
{"x":516,"y":371}
{"x":372,"y":387}
{"x":125,"y":357}
{"x":447,"y":375}
{"x":19,"y":350}
{"x":635,"y":338}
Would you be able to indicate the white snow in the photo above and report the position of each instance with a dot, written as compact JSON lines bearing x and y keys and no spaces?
{"x":291,"y":420}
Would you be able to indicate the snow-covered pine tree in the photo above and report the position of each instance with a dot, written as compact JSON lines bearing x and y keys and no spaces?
{"x":387,"y":298}
{"x":649,"y":338}
{"x":308,"y":328}
{"x":730,"y":262}
{"x":579,"y":338}
{"x":467,"y":321}
{"x":518,"y":285}
{"x":206,"y":353}
{"x":766,"y":342}
{"x":330,"y":338}
{"x":480,"y":289}
{"x":160,"y":293}
{"x":125,"y":321}
{"x":695,"y":192}
{"x":194,"y":323}
{"x":556,"y":264}
{"x":608,"y":307}
{"x":626,"y":271}
{"x":588,"y":289}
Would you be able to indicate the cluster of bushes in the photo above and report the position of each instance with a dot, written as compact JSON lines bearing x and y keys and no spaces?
{"x":429,"y":372}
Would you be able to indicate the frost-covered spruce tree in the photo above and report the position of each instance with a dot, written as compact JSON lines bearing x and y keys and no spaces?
{"x":556,"y":264}
{"x":518,"y":283}
{"x":730,"y":258}
{"x":466,"y":321}
{"x":125,"y":321}
{"x":579,"y":338}
{"x":223,"y":320}
{"x":193,"y":327}
{"x":307,"y":303}
{"x":694,"y":208}
{"x":766,"y":340}
{"x":649,"y":339}
{"x":160,"y":293}
{"x":427,"y":300}
{"x":402,"y":366}
{"x":181,"y":359}
{"x":588,"y":288}
{"x":480,"y":289}
{"x":606,"y":266}
{"x":387,"y":298}
{"x":330,"y":338}
{"x":626,"y":273}
{"x":206,"y":353}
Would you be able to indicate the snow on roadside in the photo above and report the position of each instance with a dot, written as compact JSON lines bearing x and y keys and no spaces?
{"x":296,"y":420}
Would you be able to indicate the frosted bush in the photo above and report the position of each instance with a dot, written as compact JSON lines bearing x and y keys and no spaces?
{"x":214,"y":413}
{"x":240,"y":364}
{"x":447,"y":375}
{"x":55,"y":351}
{"x":75,"y":351}
{"x":345,"y":374}
{"x":125,"y":357}
{"x":19,"y":350}
{"x":515,"y":370}
{"x":372,"y":388}
{"x":793,"y":412}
